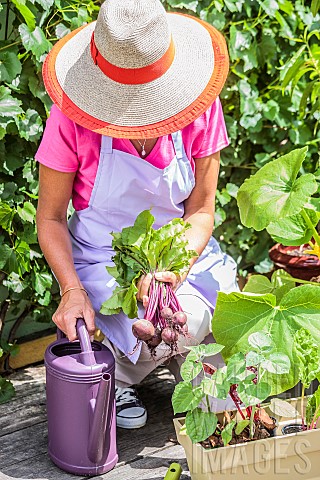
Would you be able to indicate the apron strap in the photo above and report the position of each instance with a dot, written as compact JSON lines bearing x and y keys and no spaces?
{"x":106,"y":144}
{"x":178,"y":145}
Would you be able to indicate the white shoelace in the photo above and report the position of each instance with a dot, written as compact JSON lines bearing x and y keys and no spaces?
{"x":125,"y":395}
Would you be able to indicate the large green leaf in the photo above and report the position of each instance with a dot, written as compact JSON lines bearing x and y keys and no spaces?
{"x":200,"y":424}
{"x":186,"y":397}
{"x":5,"y":252}
{"x":10,"y":66}
{"x":9,"y":106}
{"x":251,"y":394}
{"x":113,"y":304}
{"x":22,"y":255}
{"x":275,"y":192}
{"x":134,"y":235}
{"x":293,"y":230}
{"x":43,"y":282}
{"x":237,"y":315}
{"x":281,"y":282}
{"x":188,"y":4}
{"x":30,"y":125}
{"x":27,"y":212}
{"x":34,"y":40}
{"x":25,"y":12}
{"x":6,"y":215}
{"x":190,"y":369}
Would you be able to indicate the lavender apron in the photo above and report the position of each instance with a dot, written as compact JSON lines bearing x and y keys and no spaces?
{"x":124,"y":186}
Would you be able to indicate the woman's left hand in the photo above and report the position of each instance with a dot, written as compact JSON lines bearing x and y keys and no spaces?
{"x":145,"y":281}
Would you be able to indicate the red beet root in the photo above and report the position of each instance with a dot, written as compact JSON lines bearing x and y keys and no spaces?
{"x":155,"y":340}
{"x":184,"y":329}
{"x":143,"y":330}
{"x":169,"y":336}
{"x":166,"y":313}
{"x":179,"y":318}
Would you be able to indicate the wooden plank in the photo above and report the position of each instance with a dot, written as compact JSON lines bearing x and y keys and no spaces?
{"x":28,"y":406}
{"x":23,"y":414}
{"x":39,"y":467}
{"x":23,"y":444}
{"x":33,"y":374}
{"x":150,"y":466}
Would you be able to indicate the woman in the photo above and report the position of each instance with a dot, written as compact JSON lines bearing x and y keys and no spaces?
{"x":137,"y":124}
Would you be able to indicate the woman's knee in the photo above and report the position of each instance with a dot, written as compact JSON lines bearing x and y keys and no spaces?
{"x":199,"y":320}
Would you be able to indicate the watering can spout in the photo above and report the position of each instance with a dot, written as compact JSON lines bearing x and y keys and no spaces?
{"x":97,"y":436}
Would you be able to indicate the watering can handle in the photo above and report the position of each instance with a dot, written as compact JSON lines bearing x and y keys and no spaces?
{"x":60,"y":334}
{"x":86,"y":355}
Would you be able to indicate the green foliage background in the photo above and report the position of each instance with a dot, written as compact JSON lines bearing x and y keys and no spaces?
{"x":269,"y":105}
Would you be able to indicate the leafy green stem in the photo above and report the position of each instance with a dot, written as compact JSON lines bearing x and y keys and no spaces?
{"x":311,"y":226}
{"x":10,"y":45}
{"x":208,"y":403}
{"x":302,"y":404}
{"x":299,"y":280}
{"x":251,"y":421}
{"x":314,"y":61}
{"x":315,"y":418}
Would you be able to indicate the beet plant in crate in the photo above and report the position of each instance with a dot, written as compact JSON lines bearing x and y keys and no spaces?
{"x":243,"y":379}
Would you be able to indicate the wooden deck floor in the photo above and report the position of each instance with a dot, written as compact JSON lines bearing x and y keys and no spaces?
{"x":143,"y":454}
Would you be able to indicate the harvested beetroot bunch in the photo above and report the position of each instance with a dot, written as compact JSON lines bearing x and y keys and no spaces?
{"x":164,"y":319}
{"x":139,"y":250}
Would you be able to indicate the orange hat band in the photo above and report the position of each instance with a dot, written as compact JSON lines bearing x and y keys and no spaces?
{"x":133,"y":76}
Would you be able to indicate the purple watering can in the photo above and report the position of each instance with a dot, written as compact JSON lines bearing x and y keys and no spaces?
{"x":80,"y":405}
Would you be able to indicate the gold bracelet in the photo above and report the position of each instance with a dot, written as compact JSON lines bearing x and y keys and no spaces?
{"x":73,"y":288}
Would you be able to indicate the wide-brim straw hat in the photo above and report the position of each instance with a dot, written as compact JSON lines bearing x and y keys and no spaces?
{"x":137,"y":72}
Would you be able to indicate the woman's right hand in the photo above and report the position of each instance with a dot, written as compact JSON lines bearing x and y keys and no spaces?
{"x":74,"y":304}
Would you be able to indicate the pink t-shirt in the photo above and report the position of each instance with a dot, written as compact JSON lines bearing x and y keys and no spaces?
{"x":68,"y":147}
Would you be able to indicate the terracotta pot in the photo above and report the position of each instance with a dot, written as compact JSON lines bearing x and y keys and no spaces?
{"x":304,"y":266}
{"x":286,"y":457}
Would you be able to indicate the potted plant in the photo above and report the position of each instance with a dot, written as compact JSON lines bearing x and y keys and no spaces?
{"x":278,"y":199}
{"x":242,"y":442}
